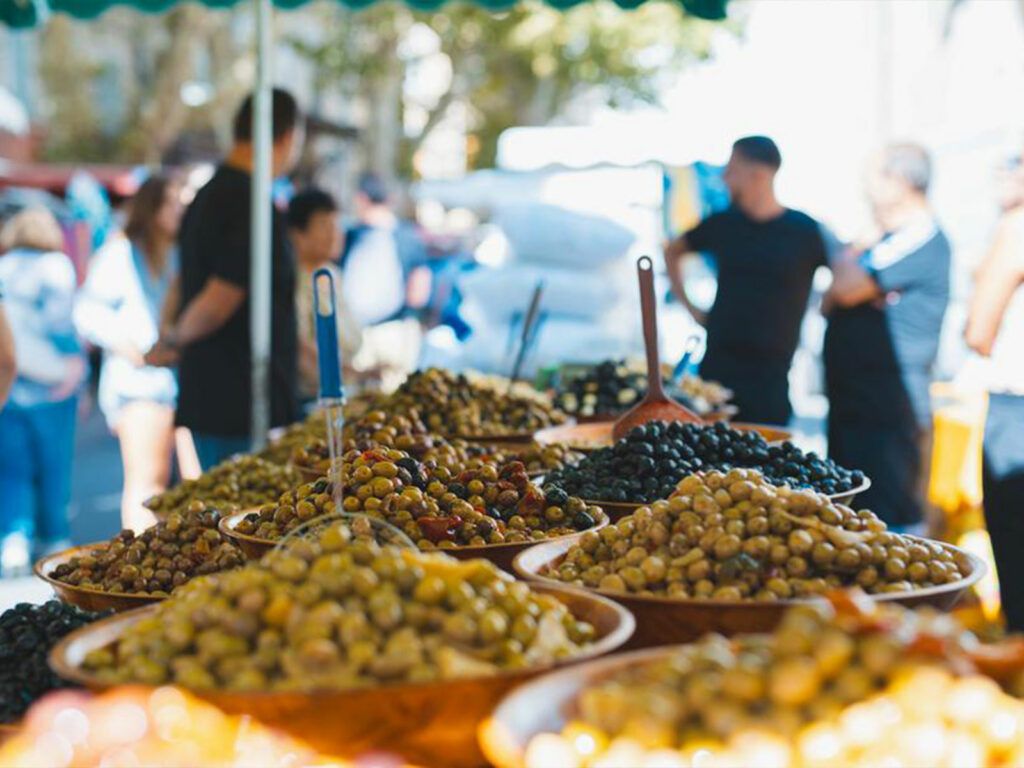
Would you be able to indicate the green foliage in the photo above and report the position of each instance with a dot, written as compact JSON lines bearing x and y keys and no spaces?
{"x":523,"y":66}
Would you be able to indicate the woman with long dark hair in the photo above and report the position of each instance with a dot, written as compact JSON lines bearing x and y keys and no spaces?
{"x":118,"y":310}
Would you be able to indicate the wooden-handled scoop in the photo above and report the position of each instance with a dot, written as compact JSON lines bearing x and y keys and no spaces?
{"x":656,"y":405}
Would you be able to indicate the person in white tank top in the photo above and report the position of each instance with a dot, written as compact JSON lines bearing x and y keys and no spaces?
{"x":995,"y":330}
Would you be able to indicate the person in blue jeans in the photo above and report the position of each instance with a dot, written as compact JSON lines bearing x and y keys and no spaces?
{"x":37,"y":425}
{"x":118,"y":310}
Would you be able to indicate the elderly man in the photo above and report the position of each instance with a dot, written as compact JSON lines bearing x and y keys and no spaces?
{"x":885,"y":311}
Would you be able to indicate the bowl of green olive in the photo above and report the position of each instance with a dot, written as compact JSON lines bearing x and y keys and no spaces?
{"x":732,"y":551}
{"x":351,"y":646}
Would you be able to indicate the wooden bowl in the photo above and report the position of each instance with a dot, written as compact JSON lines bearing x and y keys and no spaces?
{"x":547,"y":704}
{"x":664,"y":621}
{"x":426,"y":724}
{"x":87,"y":598}
{"x":598,"y":434}
{"x":501,"y":555}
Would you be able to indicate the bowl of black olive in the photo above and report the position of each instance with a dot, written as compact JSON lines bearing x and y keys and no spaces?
{"x":27,"y":633}
{"x":646,"y":465}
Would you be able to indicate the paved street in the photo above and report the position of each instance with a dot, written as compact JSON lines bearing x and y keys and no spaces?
{"x":96,"y":482}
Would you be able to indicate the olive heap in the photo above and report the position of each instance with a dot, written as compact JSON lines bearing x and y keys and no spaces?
{"x":451,"y":404}
{"x":646,"y":464}
{"x":340,"y":614}
{"x":735,"y":536}
{"x":232,"y":485}
{"x":431,"y":505}
{"x":161,"y":558}
{"x":312,"y":429}
{"x":406,"y":432}
{"x":27,"y":633}
{"x":457,"y":455}
{"x":539,"y":458}
{"x":832,"y":685}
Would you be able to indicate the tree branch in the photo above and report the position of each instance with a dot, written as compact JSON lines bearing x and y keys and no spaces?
{"x":435,"y":116}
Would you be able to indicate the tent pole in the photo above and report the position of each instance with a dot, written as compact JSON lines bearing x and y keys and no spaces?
{"x":260,"y":267}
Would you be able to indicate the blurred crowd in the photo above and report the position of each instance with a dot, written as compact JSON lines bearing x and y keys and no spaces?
{"x":167,"y":301}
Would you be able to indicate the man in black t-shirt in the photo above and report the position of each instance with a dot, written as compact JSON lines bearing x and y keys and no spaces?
{"x":766,"y":256}
{"x":885,"y":311}
{"x":212,"y":332}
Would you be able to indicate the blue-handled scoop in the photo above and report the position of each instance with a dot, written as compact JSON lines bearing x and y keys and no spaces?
{"x":332,"y":394}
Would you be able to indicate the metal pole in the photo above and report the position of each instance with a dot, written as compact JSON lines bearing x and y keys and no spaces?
{"x":260,"y":266}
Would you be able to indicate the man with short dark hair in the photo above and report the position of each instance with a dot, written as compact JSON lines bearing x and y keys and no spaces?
{"x":766,"y":256}
{"x":885,"y":310}
{"x":211,"y":333}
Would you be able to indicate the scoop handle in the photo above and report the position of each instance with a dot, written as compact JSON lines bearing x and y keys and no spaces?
{"x":648,"y":308}
{"x":325,"y":315}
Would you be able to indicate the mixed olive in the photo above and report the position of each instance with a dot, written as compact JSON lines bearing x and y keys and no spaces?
{"x":646,"y":464}
{"x":735,"y":536}
{"x":432,"y":505}
{"x":844,"y":682}
{"x":336,"y":613}
{"x":237,"y":483}
{"x":160,"y":559}
{"x":301,"y":433}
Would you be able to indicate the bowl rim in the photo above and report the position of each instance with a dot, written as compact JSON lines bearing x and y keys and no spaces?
{"x":45,"y":565}
{"x":615,"y":639}
{"x":979,"y":568}
{"x":226,"y":526}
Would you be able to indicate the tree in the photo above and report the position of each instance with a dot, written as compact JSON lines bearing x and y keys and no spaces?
{"x":144,"y":60}
{"x":524,"y":66}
